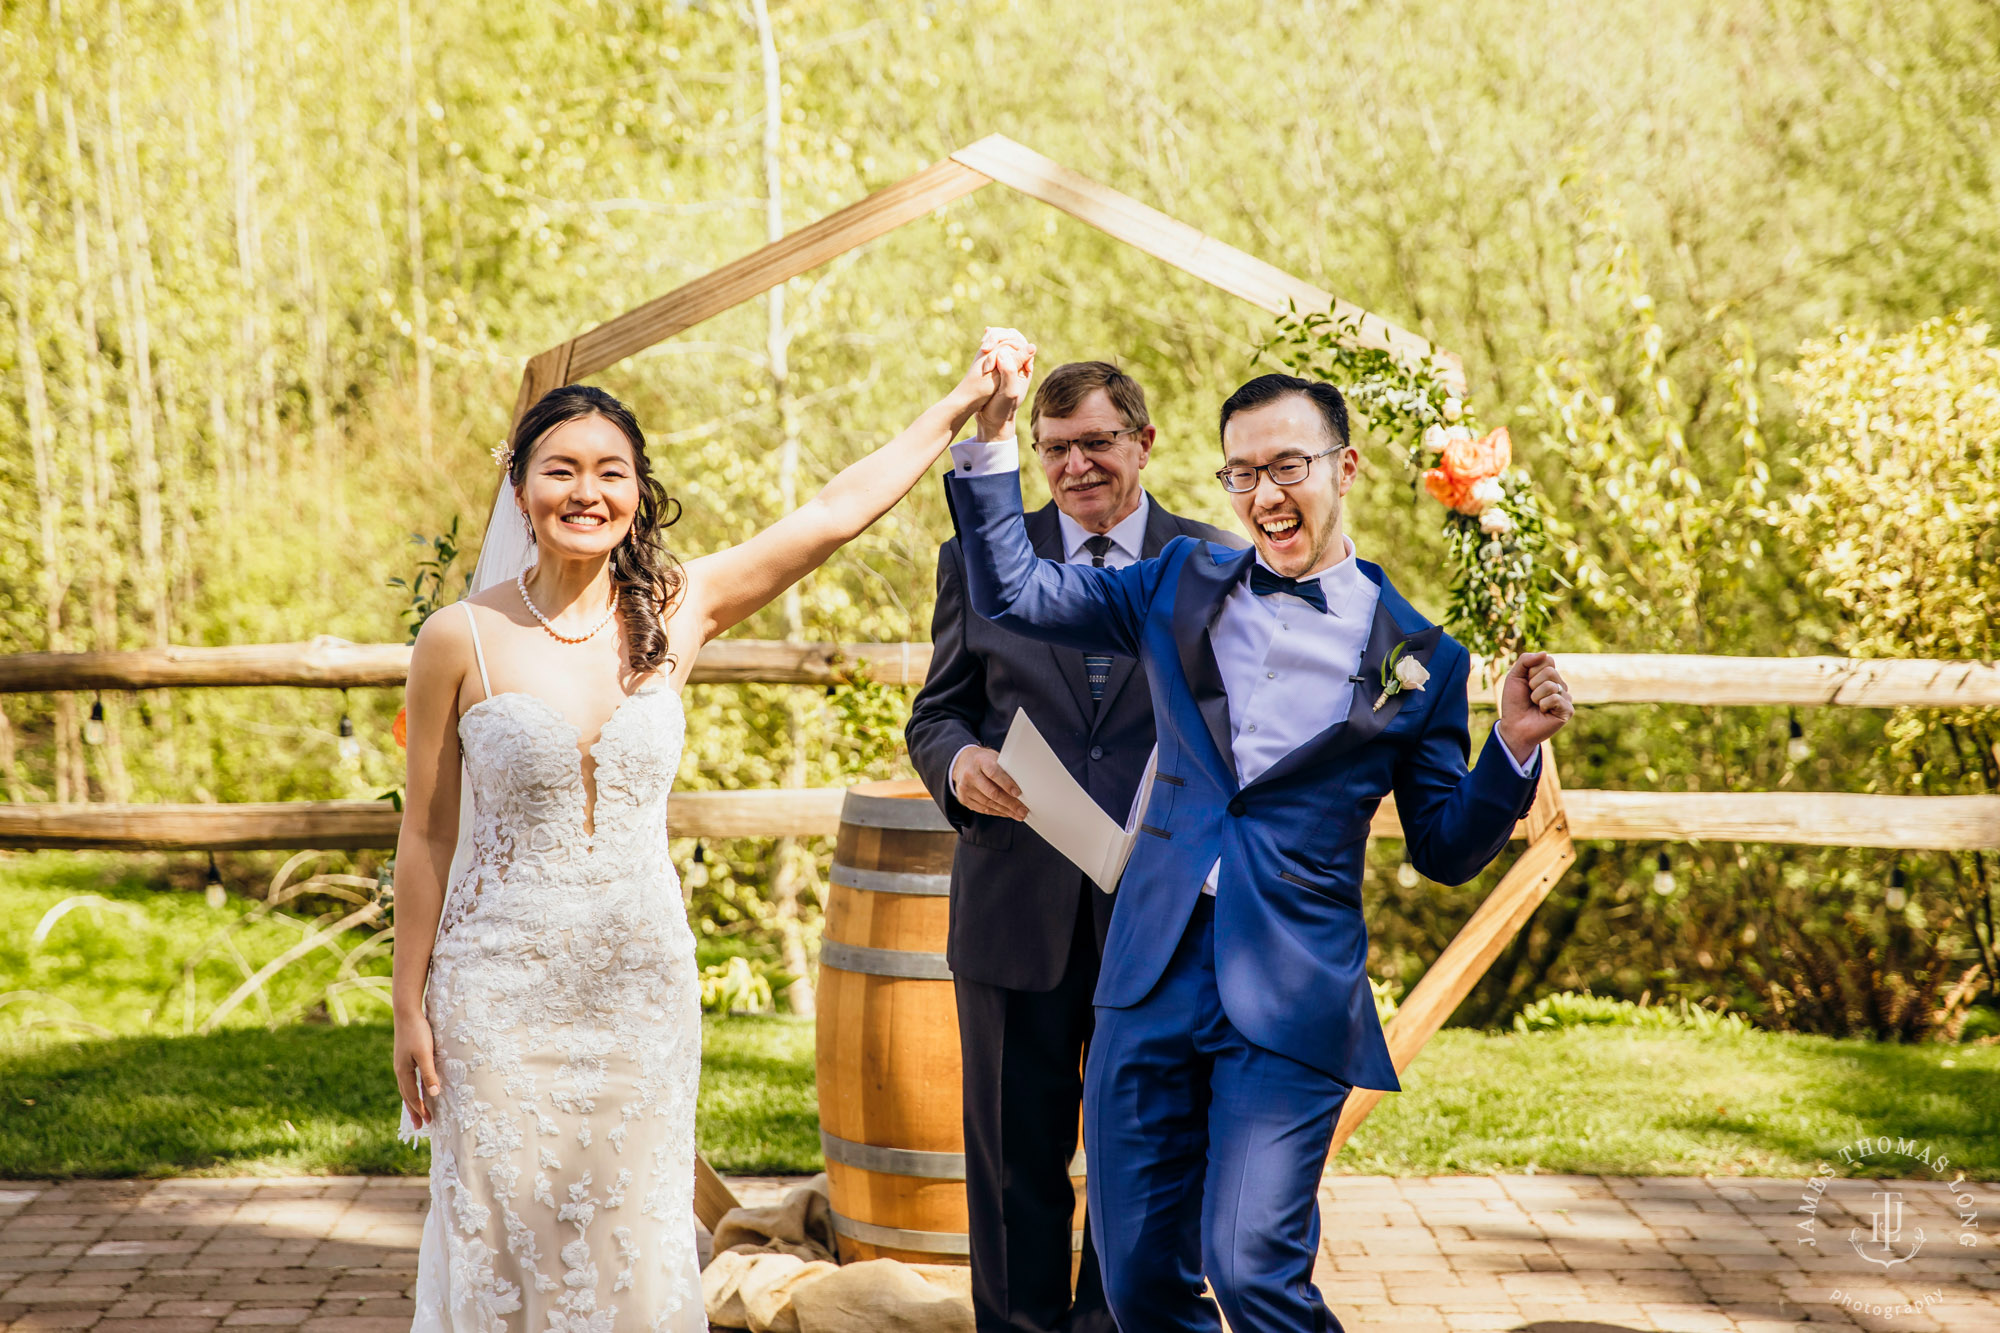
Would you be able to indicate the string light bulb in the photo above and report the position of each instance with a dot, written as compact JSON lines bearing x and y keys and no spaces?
{"x":1798,"y":749}
{"x":215,"y":894}
{"x":350,"y":748}
{"x":93,"y":726}
{"x":1897,"y":897}
{"x":1663,"y":876}
{"x":1406,"y":875}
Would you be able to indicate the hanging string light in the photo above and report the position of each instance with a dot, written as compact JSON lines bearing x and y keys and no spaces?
{"x":350,"y":748}
{"x":93,"y":726}
{"x":1797,"y":749}
{"x":1897,"y":897}
{"x":1663,"y":875}
{"x":1406,"y":875}
{"x":215,"y":894}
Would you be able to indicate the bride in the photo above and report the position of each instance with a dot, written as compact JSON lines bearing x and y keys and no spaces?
{"x":548,"y":1026}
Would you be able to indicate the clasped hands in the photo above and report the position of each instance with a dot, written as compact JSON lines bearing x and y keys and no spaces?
{"x":998,"y":380}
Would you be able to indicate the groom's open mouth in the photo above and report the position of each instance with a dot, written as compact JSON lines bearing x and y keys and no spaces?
{"x":1281,"y":531}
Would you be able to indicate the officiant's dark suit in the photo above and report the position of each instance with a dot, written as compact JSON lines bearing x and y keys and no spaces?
{"x":1027,"y":929}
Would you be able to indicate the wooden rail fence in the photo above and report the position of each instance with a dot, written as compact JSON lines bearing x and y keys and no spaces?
{"x":1807,"y":818}
{"x":1595,"y":678}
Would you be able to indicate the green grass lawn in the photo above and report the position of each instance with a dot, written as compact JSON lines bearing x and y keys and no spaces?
{"x":150,"y":1098}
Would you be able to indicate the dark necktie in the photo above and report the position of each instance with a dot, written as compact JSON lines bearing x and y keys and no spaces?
{"x":1263,"y":582}
{"x":1097,"y":666}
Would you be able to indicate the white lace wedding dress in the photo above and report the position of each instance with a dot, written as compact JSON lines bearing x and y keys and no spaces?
{"x":565,"y":1007}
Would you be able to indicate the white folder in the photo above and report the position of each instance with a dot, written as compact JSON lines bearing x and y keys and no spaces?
{"x":1063,"y":812}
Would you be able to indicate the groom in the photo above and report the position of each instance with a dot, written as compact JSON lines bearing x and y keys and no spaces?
{"x":1233,"y":1011}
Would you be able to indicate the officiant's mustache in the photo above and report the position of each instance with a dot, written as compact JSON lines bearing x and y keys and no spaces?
{"x":1095,"y":477}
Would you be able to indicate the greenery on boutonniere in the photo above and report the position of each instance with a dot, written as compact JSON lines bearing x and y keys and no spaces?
{"x":1502,"y":588}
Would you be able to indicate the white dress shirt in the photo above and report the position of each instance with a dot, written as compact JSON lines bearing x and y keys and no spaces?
{"x":1284,"y":664}
{"x":1128,"y":535}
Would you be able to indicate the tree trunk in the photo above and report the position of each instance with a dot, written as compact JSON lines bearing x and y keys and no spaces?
{"x":795,"y":866}
{"x":251,"y":353}
{"x":413,"y":234}
{"x":90,"y":416}
{"x":48,"y":493}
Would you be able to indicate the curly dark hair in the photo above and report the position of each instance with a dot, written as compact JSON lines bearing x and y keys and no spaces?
{"x":646,"y":579}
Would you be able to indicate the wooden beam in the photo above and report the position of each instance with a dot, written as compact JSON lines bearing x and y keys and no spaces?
{"x":1145,"y":228}
{"x":781,"y":260}
{"x":712,"y":1195}
{"x":1812,"y":819}
{"x":544,"y":371}
{"x":324,"y":662}
{"x":1619,"y":678}
{"x":1816,"y":819}
{"x":329,"y":663}
{"x":1786,"y":818}
{"x":1595,"y":678}
{"x":252,"y":826}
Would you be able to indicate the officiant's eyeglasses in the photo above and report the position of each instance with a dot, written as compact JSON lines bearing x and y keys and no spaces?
{"x":1093,"y":446}
{"x":1286,"y":471}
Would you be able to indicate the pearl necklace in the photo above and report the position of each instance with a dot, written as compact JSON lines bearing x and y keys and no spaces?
{"x":521,"y":582}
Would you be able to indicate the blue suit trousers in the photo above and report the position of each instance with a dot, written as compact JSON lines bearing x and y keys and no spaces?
{"x":1205,"y":1154}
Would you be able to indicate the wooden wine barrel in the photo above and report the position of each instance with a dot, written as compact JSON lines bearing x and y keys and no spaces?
{"x":888,"y":1065}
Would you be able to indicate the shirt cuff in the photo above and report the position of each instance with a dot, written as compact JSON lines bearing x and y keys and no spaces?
{"x":951,"y":772}
{"x":1534,"y":764}
{"x":985,"y":458}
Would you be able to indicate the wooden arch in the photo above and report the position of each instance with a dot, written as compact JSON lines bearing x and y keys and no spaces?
{"x":997,"y":159}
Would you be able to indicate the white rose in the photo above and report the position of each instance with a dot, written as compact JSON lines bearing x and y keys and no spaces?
{"x":1452,"y":407}
{"x":1484,"y":492}
{"x":1411,"y":674}
{"x":1435,"y":439}
{"x":1496,"y":522}
{"x":1459,"y":433}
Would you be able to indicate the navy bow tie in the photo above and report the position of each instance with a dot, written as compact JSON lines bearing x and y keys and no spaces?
{"x":1263,"y":582}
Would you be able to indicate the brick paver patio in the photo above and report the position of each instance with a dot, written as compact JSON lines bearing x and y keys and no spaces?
{"x":1549,"y":1254}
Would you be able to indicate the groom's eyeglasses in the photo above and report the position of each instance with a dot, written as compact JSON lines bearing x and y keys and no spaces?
{"x":1286,"y":471}
{"x":1093,"y":446}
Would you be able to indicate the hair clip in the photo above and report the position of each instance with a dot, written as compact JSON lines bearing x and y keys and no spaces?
{"x":502,"y":452}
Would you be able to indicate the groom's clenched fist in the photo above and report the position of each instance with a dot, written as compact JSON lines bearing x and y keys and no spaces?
{"x":1534,"y":704}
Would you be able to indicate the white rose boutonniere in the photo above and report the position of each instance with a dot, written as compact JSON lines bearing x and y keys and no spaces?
{"x":1401,"y":673}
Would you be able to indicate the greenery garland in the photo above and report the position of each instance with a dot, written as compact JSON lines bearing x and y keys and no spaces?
{"x":1496,"y":534}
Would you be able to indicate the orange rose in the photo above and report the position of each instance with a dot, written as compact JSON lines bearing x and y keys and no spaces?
{"x":400,"y":728}
{"x":1466,"y":463}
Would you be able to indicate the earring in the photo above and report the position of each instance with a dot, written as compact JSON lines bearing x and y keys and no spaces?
{"x":529,"y":524}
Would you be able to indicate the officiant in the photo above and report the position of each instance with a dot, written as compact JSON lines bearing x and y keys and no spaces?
{"x":1027,"y":928}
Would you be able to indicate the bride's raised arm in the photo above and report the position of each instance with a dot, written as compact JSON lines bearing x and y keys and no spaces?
{"x":729,"y":586}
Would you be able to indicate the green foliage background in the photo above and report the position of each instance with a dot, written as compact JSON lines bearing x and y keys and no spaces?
{"x":1627,"y":218}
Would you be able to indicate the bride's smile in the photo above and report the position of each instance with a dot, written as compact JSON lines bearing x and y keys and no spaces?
{"x":580,"y":490}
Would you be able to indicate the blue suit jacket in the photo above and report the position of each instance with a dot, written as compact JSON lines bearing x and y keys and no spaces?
{"x":1291,"y":948}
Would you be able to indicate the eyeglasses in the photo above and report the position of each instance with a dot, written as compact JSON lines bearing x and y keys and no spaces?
{"x":1093,"y":446}
{"x":1286,"y":472}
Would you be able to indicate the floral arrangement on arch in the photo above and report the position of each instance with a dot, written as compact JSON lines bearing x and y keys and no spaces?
{"x":1495,"y":532}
